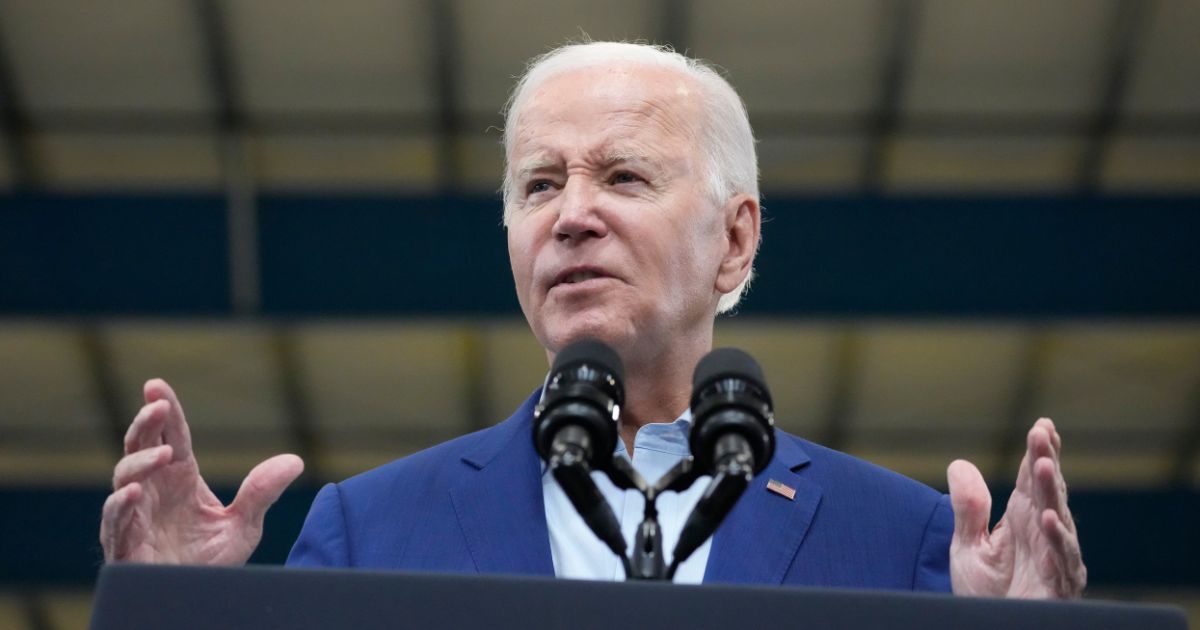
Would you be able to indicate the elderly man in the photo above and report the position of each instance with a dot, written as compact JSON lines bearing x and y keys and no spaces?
{"x":631,"y":204}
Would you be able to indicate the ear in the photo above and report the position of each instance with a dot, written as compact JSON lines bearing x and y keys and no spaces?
{"x":743,"y":219}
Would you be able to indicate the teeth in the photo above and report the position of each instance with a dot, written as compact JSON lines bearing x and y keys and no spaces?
{"x":580,"y":276}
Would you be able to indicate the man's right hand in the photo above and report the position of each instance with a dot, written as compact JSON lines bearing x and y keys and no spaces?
{"x":161,"y":511}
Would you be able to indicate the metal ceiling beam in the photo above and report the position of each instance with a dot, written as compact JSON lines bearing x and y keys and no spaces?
{"x":17,"y":126}
{"x":445,"y":77}
{"x":322,"y":124}
{"x":899,"y":22}
{"x":241,"y":196}
{"x":475,"y":381}
{"x":1126,"y":32}
{"x":297,"y":409}
{"x":99,"y":361}
{"x":846,"y":371}
{"x":1185,"y":466}
{"x":1022,"y":411}
{"x":35,"y":611}
{"x":219,"y":65}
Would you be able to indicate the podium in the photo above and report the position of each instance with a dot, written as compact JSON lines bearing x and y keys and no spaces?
{"x":137,"y":597}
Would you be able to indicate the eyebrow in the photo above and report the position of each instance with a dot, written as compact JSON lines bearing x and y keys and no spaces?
{"x":534,"y":165}
{"x":621,"y":157}
{"x":606,"y":158}
{"x":641,"y":160}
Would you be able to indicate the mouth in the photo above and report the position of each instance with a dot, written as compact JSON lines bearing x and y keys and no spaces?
{"x":578,"y":275}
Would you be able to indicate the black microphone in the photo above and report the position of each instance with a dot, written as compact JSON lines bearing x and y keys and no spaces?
{"x":575,"y":430}
{"x":732,"y":418}
{"x":732,"y":439}
{"x":580,"y":404}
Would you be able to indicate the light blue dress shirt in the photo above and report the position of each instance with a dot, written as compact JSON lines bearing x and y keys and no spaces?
{"x":579,"y":554}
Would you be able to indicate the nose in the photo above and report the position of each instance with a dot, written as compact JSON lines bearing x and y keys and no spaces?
{"x":579,"y":213}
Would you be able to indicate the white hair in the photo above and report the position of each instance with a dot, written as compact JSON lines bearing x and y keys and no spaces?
{"x":727,"y":142}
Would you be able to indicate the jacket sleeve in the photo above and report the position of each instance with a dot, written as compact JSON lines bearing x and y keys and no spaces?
{"x":322,"y":541}
{"x":932,"y":571}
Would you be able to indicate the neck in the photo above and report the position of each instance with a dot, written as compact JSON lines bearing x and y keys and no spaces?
{"x":659,"y":388}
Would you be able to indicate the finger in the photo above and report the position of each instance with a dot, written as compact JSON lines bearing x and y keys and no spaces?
{"x":175,"y":430}
{"x":1055,"y":438}
{"x":146,"y":429}
{"x":139,"y":465}
{"x":115,"y":519}
{"x":1045,"y":486}
{"x":1037,"y":444}
{"x":1067,"y":553}
{"x":1056,"y":441}
{"x":1044,"y":466}
{"x":1051,"y":490}
{"x":263,"y":486}
{"x":971,"y":501}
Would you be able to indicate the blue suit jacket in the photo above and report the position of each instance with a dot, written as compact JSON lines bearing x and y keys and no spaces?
{"x":474,"y":505}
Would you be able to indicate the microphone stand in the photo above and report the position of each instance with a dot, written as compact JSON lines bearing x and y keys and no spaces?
{"x":648,"y":562}
{"x":570,"y":469}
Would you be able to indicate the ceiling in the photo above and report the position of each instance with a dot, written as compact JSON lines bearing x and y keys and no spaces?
{"x":349,"y":395}
{"x":845,"y":95}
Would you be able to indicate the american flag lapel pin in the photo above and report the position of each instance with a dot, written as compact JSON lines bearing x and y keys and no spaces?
{"x":782,"y":489}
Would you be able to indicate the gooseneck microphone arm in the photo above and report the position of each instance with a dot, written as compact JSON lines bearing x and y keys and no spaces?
{"x":735,"y":469}
{"x":732,"y":438}
{"x":568,"y":464}
{"x":574,"y":432}
{"x":647,"y":562}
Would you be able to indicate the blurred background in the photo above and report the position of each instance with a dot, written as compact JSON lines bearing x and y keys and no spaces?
{"x":978,"y":213}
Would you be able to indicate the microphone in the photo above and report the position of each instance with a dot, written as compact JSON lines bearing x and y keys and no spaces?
{"x":575,"y":430}
{"x":732,"y":418}
{"x":732,"y":439}
{"x":577,"y":414}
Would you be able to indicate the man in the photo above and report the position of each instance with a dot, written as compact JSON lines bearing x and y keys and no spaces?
{"x":631,"y":204}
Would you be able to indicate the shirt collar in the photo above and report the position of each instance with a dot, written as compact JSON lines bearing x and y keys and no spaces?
{"x":666,"y":437}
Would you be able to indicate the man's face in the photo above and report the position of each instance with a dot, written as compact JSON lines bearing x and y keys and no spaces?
{"x":612,"y":233}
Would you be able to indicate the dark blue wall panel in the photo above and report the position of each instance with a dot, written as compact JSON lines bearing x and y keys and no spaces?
{"x":838,"y":256}
{"x":376,"y":255}
{"x":113,"y":254}
{"x":996,"y":257}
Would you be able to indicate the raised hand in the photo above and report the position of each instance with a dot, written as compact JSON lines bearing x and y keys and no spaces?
{"x":161,"y":511}
{"x":1033,"y":552}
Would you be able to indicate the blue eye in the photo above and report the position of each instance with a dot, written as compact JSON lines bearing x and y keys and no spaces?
{"x":538,"y":186}
{"x":625,"y":177}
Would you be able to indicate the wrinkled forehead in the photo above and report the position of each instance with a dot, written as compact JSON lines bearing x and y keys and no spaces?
{"x":629,"y":98}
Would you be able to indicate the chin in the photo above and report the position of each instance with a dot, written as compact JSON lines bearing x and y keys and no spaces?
{"x":562,"y":334}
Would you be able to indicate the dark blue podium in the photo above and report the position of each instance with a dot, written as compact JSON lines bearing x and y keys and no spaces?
{"x":137,"y":597}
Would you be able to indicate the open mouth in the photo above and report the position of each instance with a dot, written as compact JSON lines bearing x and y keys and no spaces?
{"x":579,"y":276}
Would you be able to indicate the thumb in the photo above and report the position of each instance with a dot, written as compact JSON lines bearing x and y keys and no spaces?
{"x":263,"y":486}
{"x":971,"y":501}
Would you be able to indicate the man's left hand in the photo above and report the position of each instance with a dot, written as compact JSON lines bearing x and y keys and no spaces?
{"x":1033,"y":552}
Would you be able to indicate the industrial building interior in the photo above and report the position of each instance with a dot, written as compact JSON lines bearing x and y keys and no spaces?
{"x":978,"y":213}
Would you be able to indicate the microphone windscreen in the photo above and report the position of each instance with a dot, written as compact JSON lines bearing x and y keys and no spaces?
{"x":725,"y":363}
{"x":590,"y":351}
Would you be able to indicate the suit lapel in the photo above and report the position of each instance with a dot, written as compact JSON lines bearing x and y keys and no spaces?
{"x":759,"y":539}
{"x":499,"y":501}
